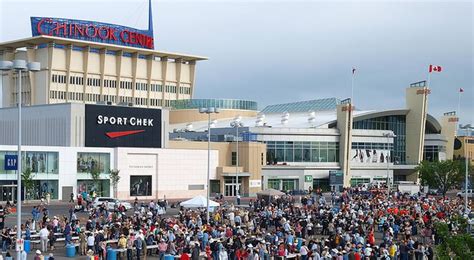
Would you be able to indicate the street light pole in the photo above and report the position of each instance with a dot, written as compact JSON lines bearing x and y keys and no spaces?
{"x":388,"y":135}
{"x":19,"y":66}
{"x":208,"y":111}
{"x":468,"y":129}
{"x":237,"y":123}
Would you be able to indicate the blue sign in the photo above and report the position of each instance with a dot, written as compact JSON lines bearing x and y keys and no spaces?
{"x":93,"y":31}
{"x":11,"y":162}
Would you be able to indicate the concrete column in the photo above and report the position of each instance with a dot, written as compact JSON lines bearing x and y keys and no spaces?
{"x":51,"y":57}
{"x":149,"y":67}
{"x":344,"y":124}
{"x":8,"y":84}
{"x":102,"y":54}
{"x":164,"y":76}
{"x":178,"y":63}
{"x":134,"y":74}
{"x":449,"y":122}
{"x":85,"y":69}
{"x":68,"y":68}
{"x":192,"y":76}
{"x":31,"y":57}
{"x":118,"y":67}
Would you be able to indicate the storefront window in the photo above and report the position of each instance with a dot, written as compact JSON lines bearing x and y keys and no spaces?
{"x":140,"y":185}
{"x":41,"y":188}
{"x":93,"y":188}
{"x":87,"y":162}
{"x":357,"y":181}
{"x":37,"y":162}
{"x":278,"y":151}
{"x":274,"y":184}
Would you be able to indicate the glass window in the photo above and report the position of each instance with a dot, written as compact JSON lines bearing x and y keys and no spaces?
{"x":86,"y":162}
{"x":140,"y":185}
{"x":274,"y":184}
{"x":234,"y":158}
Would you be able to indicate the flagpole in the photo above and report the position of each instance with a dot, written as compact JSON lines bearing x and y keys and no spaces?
{"x":352,"y":86}
{"x":458,"y":111}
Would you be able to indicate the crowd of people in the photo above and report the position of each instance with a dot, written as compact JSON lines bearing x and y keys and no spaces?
{"x":353,"y":224}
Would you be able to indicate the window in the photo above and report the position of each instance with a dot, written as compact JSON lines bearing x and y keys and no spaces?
{"x":234,"y":158}
{"x":280,"y":151}
{"x":140,"y":185}
{"x":37,"y":162}
{"x":87,"y":162}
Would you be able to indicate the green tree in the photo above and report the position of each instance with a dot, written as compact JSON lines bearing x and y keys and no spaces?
{"x":27,"y":182}
{"x":114,"y":179}
{"x":454,"y":245}
{"x":95,"y":175}
{"x":442,"y":175}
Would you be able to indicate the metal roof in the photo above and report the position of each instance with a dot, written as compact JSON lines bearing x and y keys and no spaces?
{"x":325,"y":104}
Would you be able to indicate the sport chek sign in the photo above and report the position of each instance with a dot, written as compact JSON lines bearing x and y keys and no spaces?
{"x":116,"y":126}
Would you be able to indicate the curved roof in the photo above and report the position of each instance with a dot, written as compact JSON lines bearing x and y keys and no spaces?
{"x":431,"y":121}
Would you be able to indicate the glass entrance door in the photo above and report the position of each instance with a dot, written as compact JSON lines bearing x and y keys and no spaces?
{"x":230,"y":189}
{"x":8,"y":193}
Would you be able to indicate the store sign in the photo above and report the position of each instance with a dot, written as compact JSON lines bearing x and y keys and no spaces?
{"x":92,"y":31}
{"x":336,"y":178}
{"x":11,"y":162}
{"x":255,"y":183}
{"x":308,"y":178}
{"x":116,"y":126}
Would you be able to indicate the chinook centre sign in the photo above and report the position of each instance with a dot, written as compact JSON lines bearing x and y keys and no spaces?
{"x":92,"y":31}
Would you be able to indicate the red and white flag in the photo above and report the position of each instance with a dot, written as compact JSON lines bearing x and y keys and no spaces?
{"x":461,"y":90}
{"x":435,"y":68}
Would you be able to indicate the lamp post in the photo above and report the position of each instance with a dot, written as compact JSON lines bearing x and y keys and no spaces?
{"x":19,"y":66}
{"x":208,"y":111}
{"x":388,"y":135}
{"x":468,"y":129}
{"x":236,"y":124}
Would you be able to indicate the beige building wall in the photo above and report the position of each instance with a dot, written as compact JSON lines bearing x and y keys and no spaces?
{"x":252,"y":157}
{"x":417,"y":103}
{"x":467,"y":146}
{"x":98,"y":73}
{"x":449,"y":122}
{"x":193,"y":115}
{"x":344,"y":124}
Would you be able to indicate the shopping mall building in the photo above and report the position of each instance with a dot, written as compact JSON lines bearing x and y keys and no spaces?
{"x":105,"y":99}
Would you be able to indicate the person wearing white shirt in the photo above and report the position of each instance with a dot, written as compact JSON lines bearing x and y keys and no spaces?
{"x":43,"y":234}
{"x":90,"y":242}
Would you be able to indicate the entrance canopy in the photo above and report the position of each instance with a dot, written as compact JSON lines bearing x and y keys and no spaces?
{"x":270,"y":192}
{"x":198,"y":202}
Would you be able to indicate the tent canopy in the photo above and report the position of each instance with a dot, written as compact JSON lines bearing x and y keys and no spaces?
{"x":270,"y":192}
{"x":198,"y":202}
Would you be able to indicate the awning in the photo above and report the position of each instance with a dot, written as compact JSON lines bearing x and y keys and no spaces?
{"x":233,"y":174}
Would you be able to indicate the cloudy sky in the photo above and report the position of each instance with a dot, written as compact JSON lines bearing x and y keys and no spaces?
{"x":285,"y":51}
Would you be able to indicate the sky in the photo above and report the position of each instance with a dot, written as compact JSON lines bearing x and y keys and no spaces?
{"x":286,"y":51}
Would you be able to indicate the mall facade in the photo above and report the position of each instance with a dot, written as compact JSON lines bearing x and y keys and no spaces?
{"x":327,"y":143}
{"x":104,"y":100}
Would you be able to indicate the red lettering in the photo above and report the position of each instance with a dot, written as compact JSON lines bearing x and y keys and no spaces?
{"x":133,"y":39}
{"x":78,"y":29}
{"x":101,"y":35}
{"x":60,"y":26}
{"x":88,"y":27}
{"x":112,"y":35}
{"x":122,"y":36}
{"x":38,"y":26}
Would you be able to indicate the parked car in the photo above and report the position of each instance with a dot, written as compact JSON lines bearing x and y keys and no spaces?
{"x":470,"y":193}
{"x":111,"y":202}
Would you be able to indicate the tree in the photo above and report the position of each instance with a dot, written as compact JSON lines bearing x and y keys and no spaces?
{"x":27,"y":182}
{"x":95,"y":175}
{"x":442,"y":175}
{"x":454,"y":245}
{"x":114,"y":179}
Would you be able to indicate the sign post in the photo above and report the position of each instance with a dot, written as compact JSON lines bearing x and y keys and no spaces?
{"x":19,"y":245}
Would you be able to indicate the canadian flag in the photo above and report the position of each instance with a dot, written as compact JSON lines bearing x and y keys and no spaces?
{"x":435,"y":68}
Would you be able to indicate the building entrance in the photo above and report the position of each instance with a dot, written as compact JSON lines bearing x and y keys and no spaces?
{"x":230,"y":186}
{"x":8,"y":192}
